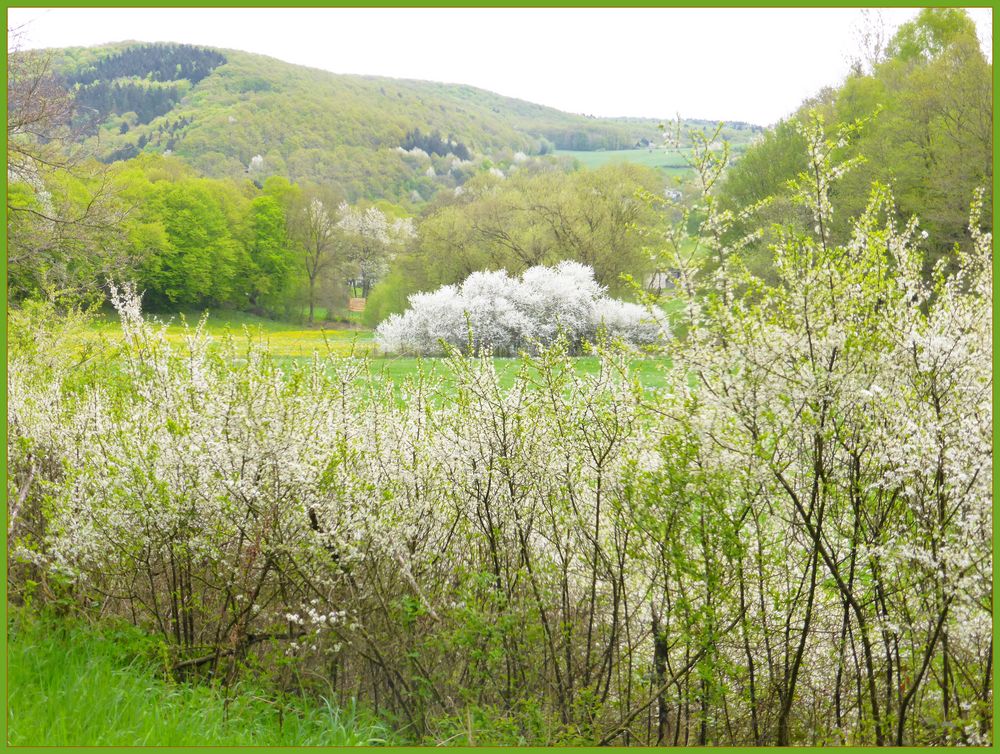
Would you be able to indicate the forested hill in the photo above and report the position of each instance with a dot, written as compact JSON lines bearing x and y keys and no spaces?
{"x":230,"y":112}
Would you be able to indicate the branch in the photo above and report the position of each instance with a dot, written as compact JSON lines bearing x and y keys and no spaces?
{"x":609,"y":737}
{"x":251,"y":640}
{"x":22,"y":495}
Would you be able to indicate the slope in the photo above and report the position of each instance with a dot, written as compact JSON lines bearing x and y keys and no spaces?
{"x":231,"y":113}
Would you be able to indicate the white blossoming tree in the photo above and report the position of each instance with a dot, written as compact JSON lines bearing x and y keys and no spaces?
{"x":506,"y":314}
{"x":373,"y":238}
{"x":848,"y":407}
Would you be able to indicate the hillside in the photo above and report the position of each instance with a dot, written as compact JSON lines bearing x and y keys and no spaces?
{"x":230,"y":113}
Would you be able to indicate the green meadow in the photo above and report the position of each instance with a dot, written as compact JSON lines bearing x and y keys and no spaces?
{"x":290,"y":342}
{"x":676,"y":163}
{"x":673,"y":161}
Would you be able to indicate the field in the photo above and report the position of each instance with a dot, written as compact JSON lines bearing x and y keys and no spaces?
{"x":285,"y":339}
{"x":290,"y":342}
{"x":672,"y":161}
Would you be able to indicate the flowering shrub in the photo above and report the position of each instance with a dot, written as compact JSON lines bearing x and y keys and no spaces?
{"x":508,"y":314}
{"x":790,"y":542}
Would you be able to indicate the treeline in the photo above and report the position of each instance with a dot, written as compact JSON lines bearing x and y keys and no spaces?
{"x":148,"y":100}
{"x":532,"y":217}
{"x":737,"y":125}
{"x":433,"y":144}
{"x":156,"y":62}
{"x":922,"y":102}
{"x":276,"y":247}
{"x":586,"y":140}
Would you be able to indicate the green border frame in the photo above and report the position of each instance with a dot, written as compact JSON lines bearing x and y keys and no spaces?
{"x":567,"y":4}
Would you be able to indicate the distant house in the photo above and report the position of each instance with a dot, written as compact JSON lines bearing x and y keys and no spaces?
{"x":660,"y":280}
{"x":673,"y":194}
{"x":643,"y":143}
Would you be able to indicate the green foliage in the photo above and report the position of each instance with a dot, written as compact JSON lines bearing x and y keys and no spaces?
{"x":671,"y":162}
{"x":201,"y":262}
{"x":927,"y":113}
{"x":391,"y":294}
{"x":592,"y":217}
{"x":774,"y":159}
{"x":141,"y":83}
{"x":74,"y":684}
{"x":60,"y":205}
{"x":930,"y":33}
{"x":269,"y":270}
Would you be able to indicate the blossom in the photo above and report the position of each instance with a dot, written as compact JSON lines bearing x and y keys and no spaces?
{"x":508,"y":314}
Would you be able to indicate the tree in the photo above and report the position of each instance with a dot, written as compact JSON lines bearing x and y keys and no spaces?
{"x":930,"y":33}
{"x":63,"y":214}
{"x":201,"y":262}
{"x":926,"y":108}
{"x":597,"y":218}
{"x":268,"y":250}
{"x":373,"y":238}
{"x":312,"y":225}
{"x":506,"y":315}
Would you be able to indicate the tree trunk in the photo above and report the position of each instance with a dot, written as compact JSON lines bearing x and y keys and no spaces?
{"x":312,"y":298}
{"x":660,"y":671}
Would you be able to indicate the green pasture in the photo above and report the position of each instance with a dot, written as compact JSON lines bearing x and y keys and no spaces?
{"x":284,"y":339}
{"x":290,"y":343}
{"x":649,"y":371}
{"x":674,"y":162}
{"x":671,"y":160}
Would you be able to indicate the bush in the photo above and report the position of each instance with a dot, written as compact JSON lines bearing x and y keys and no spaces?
{"x":389,"y":296}
{"x":508,"y":315}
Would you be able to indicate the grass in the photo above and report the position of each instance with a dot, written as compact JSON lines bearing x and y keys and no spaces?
{"x":650,"y":372}
{"x":290,"y":342}
{"x":285,"y":339}
{"x":671,"y":161}
{"x":74,"y":684}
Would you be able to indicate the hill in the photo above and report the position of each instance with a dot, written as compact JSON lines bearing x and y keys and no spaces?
{"x":231,"y":113}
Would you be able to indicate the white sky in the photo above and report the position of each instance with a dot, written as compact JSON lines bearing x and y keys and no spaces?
{"x":755,"y":65}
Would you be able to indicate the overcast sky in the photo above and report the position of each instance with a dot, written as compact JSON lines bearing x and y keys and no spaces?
{"x":754,"y":65}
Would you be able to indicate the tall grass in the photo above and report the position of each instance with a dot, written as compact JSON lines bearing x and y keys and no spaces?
{"x":71,"y":684}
